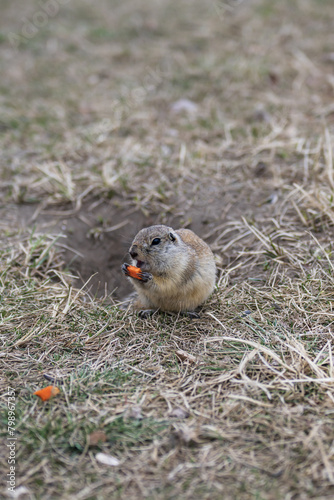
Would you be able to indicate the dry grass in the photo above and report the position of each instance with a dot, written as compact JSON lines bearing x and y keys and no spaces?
{"x":238,"y":404}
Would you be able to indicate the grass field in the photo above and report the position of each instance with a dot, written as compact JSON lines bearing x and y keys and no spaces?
{"x":217,"y":116}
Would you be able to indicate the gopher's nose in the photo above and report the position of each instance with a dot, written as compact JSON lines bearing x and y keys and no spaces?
{"x":133,"y":251}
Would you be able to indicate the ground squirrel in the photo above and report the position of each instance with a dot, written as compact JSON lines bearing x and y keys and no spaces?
{"x":175,"y":270}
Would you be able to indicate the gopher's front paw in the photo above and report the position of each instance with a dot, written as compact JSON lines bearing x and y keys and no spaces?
{"x":145,"y":277}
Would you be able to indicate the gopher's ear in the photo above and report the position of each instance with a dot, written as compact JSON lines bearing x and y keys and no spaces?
{"x":172,"y":236}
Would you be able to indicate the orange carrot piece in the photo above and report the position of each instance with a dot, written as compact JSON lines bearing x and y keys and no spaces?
{"x":134,"y":271}
{"x":47,"y":392}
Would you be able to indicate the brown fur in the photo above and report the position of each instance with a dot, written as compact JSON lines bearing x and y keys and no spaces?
{"x":181,"y":266}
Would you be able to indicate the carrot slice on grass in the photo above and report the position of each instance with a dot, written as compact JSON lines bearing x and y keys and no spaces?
{"x":47,"y":393}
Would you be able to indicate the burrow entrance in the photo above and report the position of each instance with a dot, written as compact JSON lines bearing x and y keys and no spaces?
{"x":95,"y":239}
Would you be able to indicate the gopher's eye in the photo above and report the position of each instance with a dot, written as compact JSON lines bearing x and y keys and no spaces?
{"x":156,"y":241}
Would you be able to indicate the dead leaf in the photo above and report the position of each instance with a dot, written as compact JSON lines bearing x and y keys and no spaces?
{"x":133,"y":412}
{"x":184,"y":105}
{"x":185,"y":356}
{"x":186,"y":434}
{"x":105,"y":459}
{"x":96,"y":437}
{"x":179,"y":413}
